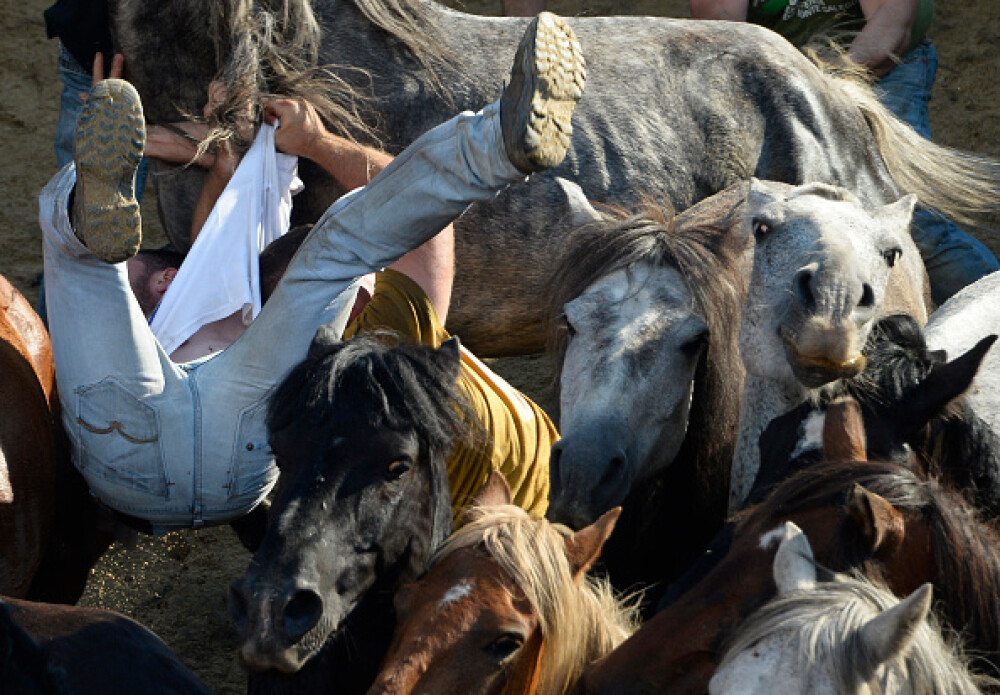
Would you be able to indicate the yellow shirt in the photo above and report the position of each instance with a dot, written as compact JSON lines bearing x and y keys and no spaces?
{"x":520,"y":432}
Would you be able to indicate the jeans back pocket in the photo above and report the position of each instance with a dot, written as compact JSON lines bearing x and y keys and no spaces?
{"x":252,"y":470}
{"x":119,"y":438}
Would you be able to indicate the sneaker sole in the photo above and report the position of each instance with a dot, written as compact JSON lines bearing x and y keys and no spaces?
{"x":555,"y":73}
{"x":110,"y":137}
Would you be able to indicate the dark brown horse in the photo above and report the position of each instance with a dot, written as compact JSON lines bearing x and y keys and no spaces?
{"x":879,"y":517}
{"x":49,"y":648}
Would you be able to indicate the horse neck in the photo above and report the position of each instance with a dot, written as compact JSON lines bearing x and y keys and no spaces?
{"x":966,"y":452}
{"x":763,"y":400}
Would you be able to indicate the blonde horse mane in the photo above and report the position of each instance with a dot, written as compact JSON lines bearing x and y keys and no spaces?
{"x":580,"y":620}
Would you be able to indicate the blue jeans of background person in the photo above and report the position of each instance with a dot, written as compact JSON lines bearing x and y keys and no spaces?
{"x":186,"y":444}
{"x":953,"y":257}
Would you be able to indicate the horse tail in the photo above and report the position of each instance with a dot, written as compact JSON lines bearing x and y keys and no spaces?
{"x":960,"y":185}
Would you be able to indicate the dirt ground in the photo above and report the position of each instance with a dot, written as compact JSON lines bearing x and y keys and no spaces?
{"x":177,"y":585}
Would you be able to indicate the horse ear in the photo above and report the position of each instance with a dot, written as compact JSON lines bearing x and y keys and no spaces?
{"x":326,"y":337}
{"x":584,"y":546}
{"x":944,"y":384}
{"x":451,"y":354}
{"x":794,"y":566}
{"x":898,"y":215}
{"x":880,"y":524}
{"x":890,"y":633}
{"x":495,"y":493}
{"x":844,"y":432}
{"x":580,"y":209}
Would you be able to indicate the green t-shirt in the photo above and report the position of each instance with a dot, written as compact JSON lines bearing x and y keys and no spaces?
{"x":800,"y":20}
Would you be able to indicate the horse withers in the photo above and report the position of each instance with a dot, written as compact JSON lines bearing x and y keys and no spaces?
{"x":360,"y":431}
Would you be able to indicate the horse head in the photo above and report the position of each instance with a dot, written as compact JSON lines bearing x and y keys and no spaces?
{"x":360,"y":432}
{"x":507,"y":607}
{"x":822,"y":267}
{"x":847,"y":635}
{"x":643,"y":305}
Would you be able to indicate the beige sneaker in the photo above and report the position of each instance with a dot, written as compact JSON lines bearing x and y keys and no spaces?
{"x":546,"y":81}
{"x":110,"y":136}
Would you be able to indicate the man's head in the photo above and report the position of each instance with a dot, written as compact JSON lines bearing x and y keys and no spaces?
{"x":150,"y":274}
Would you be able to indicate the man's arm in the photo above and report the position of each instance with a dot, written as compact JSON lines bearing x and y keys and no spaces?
{"x":732,"y":10}
{"x":887,"y":33}
{"x":301,"y":132}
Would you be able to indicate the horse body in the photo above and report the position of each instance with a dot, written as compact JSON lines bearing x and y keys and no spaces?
{"x":960,"y":323}
{"x":707,"y":104}
{"x":90,"y":651}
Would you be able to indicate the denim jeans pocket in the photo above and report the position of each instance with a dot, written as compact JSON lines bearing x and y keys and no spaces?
{"x":252,"y":467}
{"x":119,"y":438}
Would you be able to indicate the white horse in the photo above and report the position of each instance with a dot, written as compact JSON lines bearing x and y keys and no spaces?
{"x":844,"y":636}
{"x":960,"y":323}
{"x":824,"y":269}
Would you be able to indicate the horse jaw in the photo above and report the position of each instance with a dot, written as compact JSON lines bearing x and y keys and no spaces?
{"x":626,"y":388}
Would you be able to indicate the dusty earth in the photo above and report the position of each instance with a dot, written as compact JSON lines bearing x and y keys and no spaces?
{"x":177,"y":585}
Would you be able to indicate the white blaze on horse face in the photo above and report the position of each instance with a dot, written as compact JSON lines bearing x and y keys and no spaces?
{"x":820,"y":272}
{"x":629,"y":368}
{"x":459,"y":591}
{"x":810,"y":433}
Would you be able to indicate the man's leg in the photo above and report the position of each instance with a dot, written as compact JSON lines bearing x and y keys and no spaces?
{"x":953,"y":257}
{"x":112,"y":373}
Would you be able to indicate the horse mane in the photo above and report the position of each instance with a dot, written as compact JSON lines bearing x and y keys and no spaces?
{"x":828,"y":618}
{"x":580,"y":621}
{"x":413,"y":24}
{"x":374,"y":380}
{"x":967,"y":550}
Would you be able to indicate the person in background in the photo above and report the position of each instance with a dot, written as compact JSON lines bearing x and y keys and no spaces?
{"x":889,"y":37}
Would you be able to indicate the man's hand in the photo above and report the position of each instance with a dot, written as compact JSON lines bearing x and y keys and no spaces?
{"x":97,"y":71}
{"x":300,"y":130}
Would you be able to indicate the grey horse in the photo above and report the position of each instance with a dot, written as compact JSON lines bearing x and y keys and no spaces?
{"x":676,"y":110}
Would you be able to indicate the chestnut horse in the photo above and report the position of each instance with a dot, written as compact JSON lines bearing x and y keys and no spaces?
{"x":877,"y":516}
{"x":48,"y":539}
{"x":507,"y":607}
{"x":27,"y":441}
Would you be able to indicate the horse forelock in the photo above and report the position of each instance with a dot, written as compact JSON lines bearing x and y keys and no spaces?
{"x":374,"y":381}
{"x":828,"y":618}
{"x":580,"y":620}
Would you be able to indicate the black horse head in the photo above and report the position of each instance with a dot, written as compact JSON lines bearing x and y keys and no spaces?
{"x":360,"y":431}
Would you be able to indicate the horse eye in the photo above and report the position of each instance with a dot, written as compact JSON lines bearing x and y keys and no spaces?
{"x":505,"y":645}
{"x":563,"y":321}
{"x":761,"y":229}
{"x":891,"y":256}
{"x":397,"y":469}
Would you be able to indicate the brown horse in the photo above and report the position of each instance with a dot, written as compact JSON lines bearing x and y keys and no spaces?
{"x":48,"y":536}
{"x":879,"y":517}
{"x":27,"y":441}
{"x":48,"y":648}
{"x":507,"y":607}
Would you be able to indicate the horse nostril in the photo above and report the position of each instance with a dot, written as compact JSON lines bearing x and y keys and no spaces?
{"x":802,"y":288}
{"x":238,"y":608}
{"x":867,"y":300}
{"x":302,"y":613}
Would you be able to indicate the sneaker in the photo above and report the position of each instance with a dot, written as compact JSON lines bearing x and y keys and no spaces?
{"x":110,"y":136}
{"x":545,"y":83}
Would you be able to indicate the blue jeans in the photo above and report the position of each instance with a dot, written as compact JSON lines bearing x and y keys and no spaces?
{"x":953,"y":257}
{"x":186,"y":444}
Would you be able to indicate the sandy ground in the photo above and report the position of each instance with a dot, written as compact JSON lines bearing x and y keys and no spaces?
{"x":177,"y":585}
